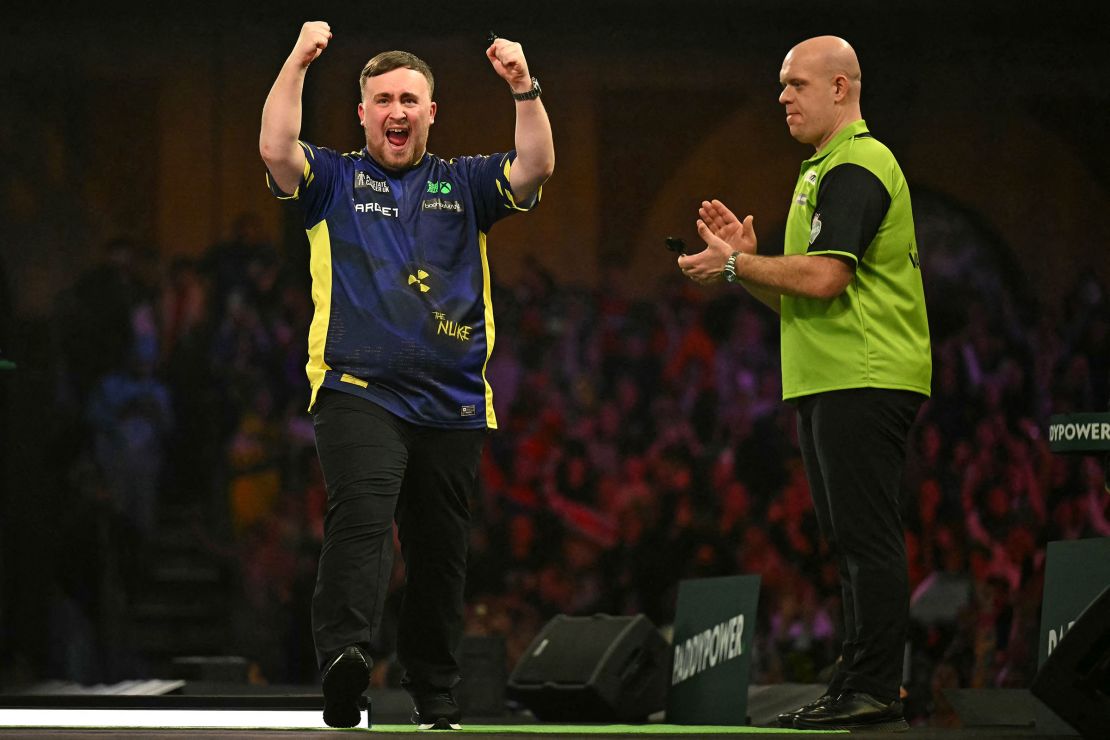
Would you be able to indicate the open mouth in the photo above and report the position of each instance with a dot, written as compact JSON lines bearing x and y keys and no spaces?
{"x":397,"y":137}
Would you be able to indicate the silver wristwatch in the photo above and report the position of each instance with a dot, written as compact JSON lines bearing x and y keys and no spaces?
{"x":730,"y":268}
{"x":531,"y":94}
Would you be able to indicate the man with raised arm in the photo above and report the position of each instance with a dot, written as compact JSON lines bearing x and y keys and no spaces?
{"x":397,"y":351}
{"x":855,"y":360}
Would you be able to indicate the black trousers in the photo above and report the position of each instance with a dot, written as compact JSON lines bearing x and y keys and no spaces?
{"x":378,"y":468}
{"x":853,"y":445}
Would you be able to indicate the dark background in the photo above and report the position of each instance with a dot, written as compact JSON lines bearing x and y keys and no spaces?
{"x":118,"y":120}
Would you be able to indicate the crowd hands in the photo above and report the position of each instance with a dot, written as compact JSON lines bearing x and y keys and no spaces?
{"x":642,"y":441}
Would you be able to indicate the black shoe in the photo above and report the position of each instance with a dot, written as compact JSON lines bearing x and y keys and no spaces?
{"x":786,"y":719}
{"x":436,"y":710}
{"x":854,"y":710}
{"x":345,"y":678}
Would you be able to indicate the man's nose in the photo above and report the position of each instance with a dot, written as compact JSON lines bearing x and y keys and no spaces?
{"x":783,"y":95}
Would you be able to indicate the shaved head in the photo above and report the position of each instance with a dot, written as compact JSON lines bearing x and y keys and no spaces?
{"x":829,"y":56}
{"x":821,"y":88}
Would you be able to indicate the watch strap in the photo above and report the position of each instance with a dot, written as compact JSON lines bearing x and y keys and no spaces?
{"x":531,"y":94}
{"x":730,"y":267}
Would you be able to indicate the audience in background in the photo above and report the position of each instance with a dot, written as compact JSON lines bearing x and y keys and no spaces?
{"x":647,"y":443}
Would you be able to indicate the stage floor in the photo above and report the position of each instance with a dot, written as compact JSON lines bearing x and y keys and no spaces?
{"x":273,"y":723}
{"x":250,"y":726}
{"x":200,"y":710}
{"x":241,"y":725}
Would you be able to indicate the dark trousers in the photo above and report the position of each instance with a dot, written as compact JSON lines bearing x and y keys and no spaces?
{"x":853,"y":445}
{"x":378,"y":468}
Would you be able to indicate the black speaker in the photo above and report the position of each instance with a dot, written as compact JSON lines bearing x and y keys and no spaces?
{"x":481,"y":693}
{"x":1074,"y":681}
{"x":594,"y":669}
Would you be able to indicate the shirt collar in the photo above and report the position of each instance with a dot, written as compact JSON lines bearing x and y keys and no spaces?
{"x":855,"y":128}
{"x":424,"y":159}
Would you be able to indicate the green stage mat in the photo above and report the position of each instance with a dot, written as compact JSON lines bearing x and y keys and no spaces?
{"x":602,"y":730}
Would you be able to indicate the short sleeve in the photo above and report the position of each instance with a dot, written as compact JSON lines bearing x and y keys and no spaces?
{"x":851,"y":205}
{"x":319,"y":183}
{"x":491,"y":191}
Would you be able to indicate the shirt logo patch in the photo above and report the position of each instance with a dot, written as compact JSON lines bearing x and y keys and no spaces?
{"x":441,"y":204}
{"x":915,"y":258}
{"x":811,"y":177}
{"x":390,"y":211}
{"x":363,"y":180}
{"x":468,"y":410}
{"x":815,"y":228}
{"x":442,"y":187}
{"x":417,"y":281}
{"x":450,"y":328}
{"x":802,"y":199}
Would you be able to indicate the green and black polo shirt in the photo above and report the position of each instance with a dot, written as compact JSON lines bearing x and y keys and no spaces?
{"x":852,"y":202}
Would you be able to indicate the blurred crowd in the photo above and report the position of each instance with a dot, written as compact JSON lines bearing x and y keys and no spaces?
{"x":642,"y":441}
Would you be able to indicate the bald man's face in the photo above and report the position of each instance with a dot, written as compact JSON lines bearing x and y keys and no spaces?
{"x":809,"y":96}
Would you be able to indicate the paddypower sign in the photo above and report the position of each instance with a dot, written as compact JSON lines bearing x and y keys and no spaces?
{"x":713,"y":632}
{"x":1076,"y":571}
{"x":1079,"y":433}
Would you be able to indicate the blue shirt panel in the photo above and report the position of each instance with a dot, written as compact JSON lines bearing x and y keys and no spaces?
{"x":407,"y":305}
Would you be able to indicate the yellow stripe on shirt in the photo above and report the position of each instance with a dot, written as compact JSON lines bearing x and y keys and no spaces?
{"x":319,"y":266}
{"x":487,"y":297}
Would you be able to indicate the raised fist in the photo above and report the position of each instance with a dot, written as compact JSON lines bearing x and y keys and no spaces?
{"x":314,"y":38}
{"x":507,"y":58}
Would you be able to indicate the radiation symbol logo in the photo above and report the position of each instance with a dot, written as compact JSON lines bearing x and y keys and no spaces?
{"x":418,"y":281}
